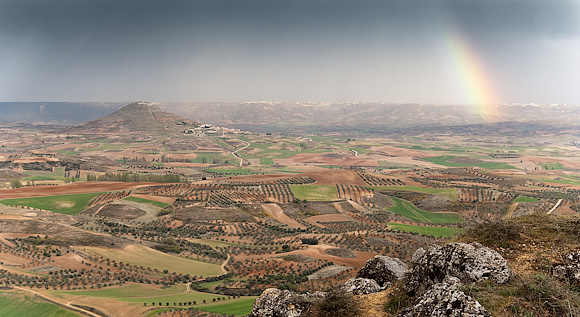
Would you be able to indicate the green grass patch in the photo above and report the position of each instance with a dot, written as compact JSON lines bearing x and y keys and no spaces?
{"x":139,"y":294}
{"x":524,"y":199}
{"x":64,"y":204}
{"x":267,"y":161}
{"x":407,"y":209}
{"x":129,"y":291}
{"x":562,"y":180}
{"x":552,"y":166}
{"x":451,"y":193}
{"x":315,"y":192}
{"x":38,"y":178}
{"x":445,"y":161}
{"x":24,"y":305}
{"x":211,"y":158}
{"x":427,"y":231}
{"x":234,"y":171}
{"x":66,"y":152}
{"x":58,"y":174}
{"x":237,"y":307}
{"x":143,"y":256}
{"x":147,"y":201}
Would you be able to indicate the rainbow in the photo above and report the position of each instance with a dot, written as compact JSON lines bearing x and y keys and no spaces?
{"x":470,"y":70}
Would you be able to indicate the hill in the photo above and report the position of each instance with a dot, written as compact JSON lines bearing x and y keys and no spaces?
{"x":135,"y":117}
{"x":312,"y":117}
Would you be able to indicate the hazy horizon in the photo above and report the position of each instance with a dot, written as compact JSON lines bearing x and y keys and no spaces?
{"x":413,"y":51}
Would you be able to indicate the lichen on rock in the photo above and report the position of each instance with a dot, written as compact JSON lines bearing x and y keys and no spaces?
{"x":384,"y":270}
{"x":280,"y":303}
{"x":571,"y":270}
{"x":444,"y":299}
{"x":467,"y":262}
{"x":361,"y":286}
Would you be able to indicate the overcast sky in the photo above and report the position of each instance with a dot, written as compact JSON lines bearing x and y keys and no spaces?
{"x":426,"y":51}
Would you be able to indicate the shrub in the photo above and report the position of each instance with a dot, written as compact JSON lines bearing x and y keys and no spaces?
{"x":336,"y":303}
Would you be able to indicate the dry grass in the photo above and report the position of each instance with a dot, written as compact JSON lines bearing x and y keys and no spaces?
{"x":533,"y":245}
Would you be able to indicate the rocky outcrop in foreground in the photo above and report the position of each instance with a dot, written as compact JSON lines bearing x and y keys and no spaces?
{"x":274,"y":303}
{"x":445,"y":299}
{"x":361,"y":286}
{"x":384,"y":270}
{"x":435,"y":279}
{"x":467,"y":262}
{"x":571,"y":270}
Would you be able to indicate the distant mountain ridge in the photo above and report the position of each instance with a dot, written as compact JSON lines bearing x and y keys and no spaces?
{"x":303,"y":117}
{"x":314,"y":117}
{"x":136,"y":117}
{"x":58,"y":113}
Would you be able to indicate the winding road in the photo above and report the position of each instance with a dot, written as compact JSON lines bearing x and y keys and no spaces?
{"x":555,"y":206}
{"x":59,"y":303}
{"x":235,"y":153}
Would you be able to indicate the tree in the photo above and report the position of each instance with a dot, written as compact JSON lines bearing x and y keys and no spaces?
{"x":15,"y":183}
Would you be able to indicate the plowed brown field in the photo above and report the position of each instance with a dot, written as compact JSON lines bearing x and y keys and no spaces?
{"x":68,"y":189}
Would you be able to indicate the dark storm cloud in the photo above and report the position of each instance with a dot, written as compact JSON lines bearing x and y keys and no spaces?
{"x":284,"y":50}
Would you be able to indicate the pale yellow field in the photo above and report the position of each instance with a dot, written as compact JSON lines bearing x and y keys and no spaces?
{"x":147,"y":257}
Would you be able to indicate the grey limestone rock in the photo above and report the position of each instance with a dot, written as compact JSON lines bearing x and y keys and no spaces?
{"x":444,"y":299}
{"x":384,"y":270}
{"x":571,"y":270}
{"x":361,"y":286}
{"x":280,"y":303}
{"x":467,"y":262}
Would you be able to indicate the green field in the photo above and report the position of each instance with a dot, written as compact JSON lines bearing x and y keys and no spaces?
{"x":407,"y":209}
{"x":58,"y":174}
{"x":139,"y":294}
{"x":66,"y":152}
{"x":211,"y":158}
{"x":16,"y":303}
{"x":130,"y":291}
{"x":315,"y":192}
{"x":236,"y":171}
{"x":445,"y":161}
{"x":238,"y":307}
{"x":524,"y":199}
{"x":146,"y":294}
{"x":428,"y":231}
{"x":147,"y":201}
{"x":267,"y":161}
{"x":552,"y":166}
{"x":561,"y":180}
{"x":147,"y":257}
{"x":451,"y":193}
{"x":65,"y":204}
